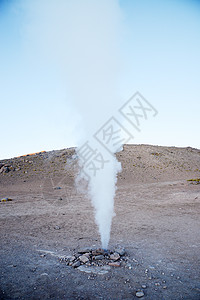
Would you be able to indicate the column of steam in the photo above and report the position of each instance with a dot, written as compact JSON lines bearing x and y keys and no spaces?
{"x":94,"y":76}
{"x":104,"y":200}
{"x":101,"y":189}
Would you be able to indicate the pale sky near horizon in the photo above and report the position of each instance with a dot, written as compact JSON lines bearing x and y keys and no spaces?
{"x":160,"y":49}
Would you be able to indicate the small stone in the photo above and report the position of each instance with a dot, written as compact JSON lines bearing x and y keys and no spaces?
{"x":157,"y":284}
{"x":98,"y":252}
{"x":83,"y":259}
{"x":44,"y":274}
{"x":114,"y":264}
{"x":139,"y":294}
{"x":6,"y":199}
{"x":57,"y":227}
{"x":120,"y":250}
{"x":72,"y":258}
{"x":76,"y":264}
{"x":88,"y":264}
{"x":144,"y":286}
{"x":99,"y":257}
{"x":115,"y":256}
{"x":151,"y":267}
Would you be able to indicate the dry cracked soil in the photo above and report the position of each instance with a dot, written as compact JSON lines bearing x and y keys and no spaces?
{"x":45,"y":217}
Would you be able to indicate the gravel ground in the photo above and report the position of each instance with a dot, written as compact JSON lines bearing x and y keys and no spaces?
{"x":157,"y":222}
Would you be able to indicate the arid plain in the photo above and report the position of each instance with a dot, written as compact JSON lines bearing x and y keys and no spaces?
{"x":48,"y":217}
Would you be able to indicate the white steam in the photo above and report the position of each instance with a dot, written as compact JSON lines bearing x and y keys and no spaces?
{"x":102,"y":190}
{"x":81,"y":39}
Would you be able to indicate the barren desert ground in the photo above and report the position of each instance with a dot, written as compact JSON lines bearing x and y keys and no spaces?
{"x":49,"y":218}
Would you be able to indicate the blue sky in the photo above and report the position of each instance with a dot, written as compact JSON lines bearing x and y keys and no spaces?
{"x":160,"y":58}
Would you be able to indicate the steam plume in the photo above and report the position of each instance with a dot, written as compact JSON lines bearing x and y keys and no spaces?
{"x":81,"y":39}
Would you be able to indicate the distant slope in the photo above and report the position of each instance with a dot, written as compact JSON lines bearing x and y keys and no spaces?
{"x":140,"y":164}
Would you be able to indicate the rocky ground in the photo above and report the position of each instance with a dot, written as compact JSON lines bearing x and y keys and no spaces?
{"x":46,"y":221}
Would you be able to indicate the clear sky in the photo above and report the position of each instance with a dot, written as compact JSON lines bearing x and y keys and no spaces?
{"x":160,"y":53}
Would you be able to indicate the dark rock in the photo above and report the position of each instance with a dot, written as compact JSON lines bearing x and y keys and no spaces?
{"x":57,"y":227}
{"x":107,"y":252}
{"x":4,"y":170}
{"x":6,"y":199}
{"x":76,"y":264}
{"x":72,"y":258}
{"x":98,"y":252}
{"x":99,"y":257}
